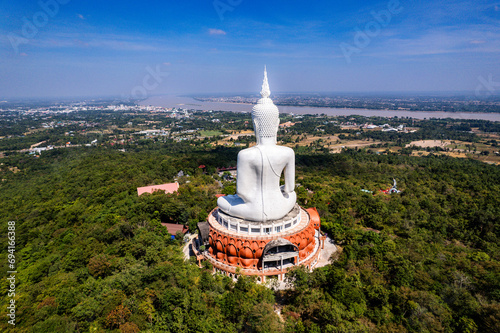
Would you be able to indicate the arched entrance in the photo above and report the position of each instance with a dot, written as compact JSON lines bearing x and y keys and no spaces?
{"x":279,"y":254}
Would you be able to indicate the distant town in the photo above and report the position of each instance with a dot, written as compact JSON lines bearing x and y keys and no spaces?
{"x":35,"y":127}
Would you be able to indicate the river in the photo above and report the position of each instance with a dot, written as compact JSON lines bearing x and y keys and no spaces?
{"x":170,"y":101}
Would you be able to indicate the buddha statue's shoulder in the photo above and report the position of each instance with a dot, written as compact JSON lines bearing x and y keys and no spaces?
{"x":287,"y":151}
{"x":248,"y":152}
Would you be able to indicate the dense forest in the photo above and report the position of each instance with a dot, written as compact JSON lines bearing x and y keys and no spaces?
{"x":92,"y":256}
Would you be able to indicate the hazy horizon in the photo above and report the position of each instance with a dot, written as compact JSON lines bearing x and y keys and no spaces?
{"x":388,"y":94}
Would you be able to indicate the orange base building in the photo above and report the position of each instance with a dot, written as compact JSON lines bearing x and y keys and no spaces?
{"x":268,"y":248}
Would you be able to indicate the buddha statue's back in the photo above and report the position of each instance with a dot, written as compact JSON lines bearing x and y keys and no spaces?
{"x":259,"y":196}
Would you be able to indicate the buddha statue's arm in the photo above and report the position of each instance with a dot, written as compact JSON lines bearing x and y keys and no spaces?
{"x":290,"y":174}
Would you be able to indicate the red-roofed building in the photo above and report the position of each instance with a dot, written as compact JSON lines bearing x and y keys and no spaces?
{"x":167,"y":188}
{"x":174,"y":228}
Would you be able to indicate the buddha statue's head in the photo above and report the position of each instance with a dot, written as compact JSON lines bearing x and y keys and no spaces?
{"x":265,"y":116}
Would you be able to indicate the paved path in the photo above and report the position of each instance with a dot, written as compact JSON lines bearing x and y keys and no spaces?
{"x":188,"y":252}
{"x":326,"y":253}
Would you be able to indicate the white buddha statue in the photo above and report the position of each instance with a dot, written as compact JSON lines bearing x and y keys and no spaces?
{"x":259,"y":196}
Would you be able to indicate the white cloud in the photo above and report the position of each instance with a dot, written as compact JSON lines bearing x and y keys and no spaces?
{"x":102,"y":41}
{"x":216,"y":32}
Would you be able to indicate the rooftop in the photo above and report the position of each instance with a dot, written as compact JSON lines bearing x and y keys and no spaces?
{"x":174,"y":228}
{"x":167,"y":188}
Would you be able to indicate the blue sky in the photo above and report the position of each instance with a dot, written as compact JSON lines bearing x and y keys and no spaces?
{"x":96,"y":48}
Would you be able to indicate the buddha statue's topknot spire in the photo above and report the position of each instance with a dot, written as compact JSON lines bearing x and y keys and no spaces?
{"x":265,"y":114}
{"x":265,"y":92}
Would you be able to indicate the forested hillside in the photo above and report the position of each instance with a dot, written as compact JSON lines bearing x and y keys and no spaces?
{"x":92,"y":256}
{"x":425,"y":260}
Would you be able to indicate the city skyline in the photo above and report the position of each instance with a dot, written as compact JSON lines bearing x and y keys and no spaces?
{"x":63,"y":48}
